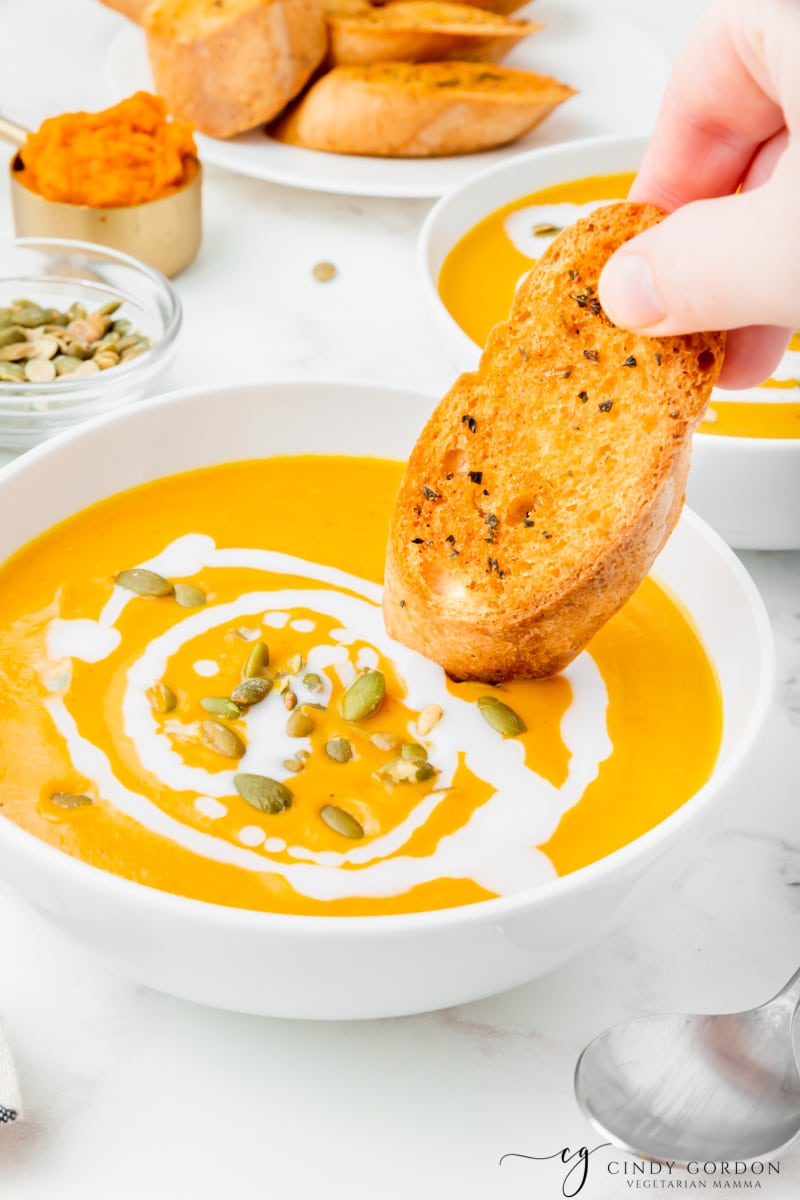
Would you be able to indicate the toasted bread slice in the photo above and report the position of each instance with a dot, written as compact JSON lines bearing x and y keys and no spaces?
{"x":229,"y":66}
{"x":546,"y":482}
{"x":423,"y":31}
{"x":132,"y":9}
{"x":504,"y":7}
{"x":419,"y":110}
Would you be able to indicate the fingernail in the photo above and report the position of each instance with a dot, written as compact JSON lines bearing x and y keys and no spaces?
{"x":629,"y":293}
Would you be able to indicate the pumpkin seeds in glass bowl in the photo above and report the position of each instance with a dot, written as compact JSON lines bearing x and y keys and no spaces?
{"x":63,"y":383}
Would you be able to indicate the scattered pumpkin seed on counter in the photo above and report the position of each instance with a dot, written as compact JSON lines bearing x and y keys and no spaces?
{"x":45,"y":345}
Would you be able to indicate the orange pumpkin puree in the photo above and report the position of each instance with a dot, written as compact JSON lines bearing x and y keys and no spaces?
{"x":480,"y":275}
{"x":663,"y":712}
{"x":129,"y":154}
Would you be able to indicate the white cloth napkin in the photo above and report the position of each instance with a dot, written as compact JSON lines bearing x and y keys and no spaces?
{"x":10,"y":1104}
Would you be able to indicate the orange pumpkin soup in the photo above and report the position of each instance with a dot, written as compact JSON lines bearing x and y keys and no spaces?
{"x":199,"y":695}
{"x":480,"y":275}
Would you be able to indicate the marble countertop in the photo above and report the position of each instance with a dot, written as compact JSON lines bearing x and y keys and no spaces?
{"x":129,"y":1093}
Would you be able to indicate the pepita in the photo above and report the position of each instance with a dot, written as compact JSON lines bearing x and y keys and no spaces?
{"x":221,"y":706}
{"x":289,"y":700}
{"x":161,"y":697}
{"x":364,"y":696}
{"x":323,"y":271}
{"x":501,"y":717}
{"x":299,"y":724}
{"x":65,"y":364}
{"x":294,"y":765}
{"x":70,"y":800}
{"x":430,"y":716}
{"x":188,"y":596}
{"x":406,"y":770}
{"x":250,"y":691}
{"x":39,"y":370}
{"x":341,"y":822}
{"x":385,"y":741}
{"x":339,"y":749}
{"x":295,"y":664}
{"x":46,"y":346}
{"x":222,"y":739}
{"x":263,"y":793}
{"x":414,"y":753}
{"x":313,"y":682}
{"x":11,"y":373}
{"x":257,"y":660}
{"x":144,"y":582}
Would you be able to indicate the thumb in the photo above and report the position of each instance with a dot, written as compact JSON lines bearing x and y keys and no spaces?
{"x":713,"y":264}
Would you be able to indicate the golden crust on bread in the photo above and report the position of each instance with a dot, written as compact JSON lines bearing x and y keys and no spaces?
{"x":229,"y":65}
{"x":504,"y":7}
{"x":546,"y":482}
{"x":423,"y":31}
{"x":419,"y":110}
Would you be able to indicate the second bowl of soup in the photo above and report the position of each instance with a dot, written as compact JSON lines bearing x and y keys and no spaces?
{"x":481,"y":239}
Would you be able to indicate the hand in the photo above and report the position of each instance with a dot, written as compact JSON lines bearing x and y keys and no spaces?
{"x":723,"y":259}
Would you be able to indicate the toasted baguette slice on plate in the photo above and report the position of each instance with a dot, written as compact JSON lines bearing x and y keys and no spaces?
{"x":419,"y":110}
{"x":547,"y":481}
{"x":423,"y":31}
{"x":229,"y":66}
{"x":504,"y":7}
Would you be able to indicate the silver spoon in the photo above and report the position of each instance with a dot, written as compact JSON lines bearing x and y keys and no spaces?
{"x":693,"y":1088}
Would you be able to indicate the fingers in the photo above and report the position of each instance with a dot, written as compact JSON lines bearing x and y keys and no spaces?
{"x":718,"y":108}
{"x":714,"y":264}
{"x":752,"y":354}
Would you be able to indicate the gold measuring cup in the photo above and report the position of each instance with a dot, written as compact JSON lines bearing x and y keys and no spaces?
{"x":165,"y":233}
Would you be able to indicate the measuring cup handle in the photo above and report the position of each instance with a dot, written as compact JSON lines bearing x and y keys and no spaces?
{"x":11,"y":132}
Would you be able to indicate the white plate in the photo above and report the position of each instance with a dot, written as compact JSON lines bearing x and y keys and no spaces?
{"x":619,"y":71}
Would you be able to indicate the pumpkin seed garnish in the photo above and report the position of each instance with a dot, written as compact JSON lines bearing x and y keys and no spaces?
{"x":414,"y":753}
{"x":303,"y":755}
{"x":144,"y":582}
{"x":431,"y":715}
{"x":294,"y":765}
{"x":161,"y":697}
{"x":289,"y":700}
{"x":257,"y":660}
{"x":70,"y":800}
{"x":250,"y":691}
{"x":295,"y":664}
{"x":222,"y":739}
{"x":385,"y":741}
{"x":501,"y":717}
{"x":545,"y":229}
{"x":341,"y":822}
{"x":364,"y":696}
{"x":312,"y":682}
{"x":263,"y":793}
{"x":221,"y":706}
{"x":339,"y":749}
{"x":299,"y":724}
{"x":406,"y":770}
{"x":189,"y":596}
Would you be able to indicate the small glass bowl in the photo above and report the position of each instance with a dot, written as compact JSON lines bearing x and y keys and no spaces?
{"x":56,"y":272}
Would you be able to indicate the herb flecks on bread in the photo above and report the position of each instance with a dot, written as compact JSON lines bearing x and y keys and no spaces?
{"x":419,"y":110}
{"x":546,"y":482}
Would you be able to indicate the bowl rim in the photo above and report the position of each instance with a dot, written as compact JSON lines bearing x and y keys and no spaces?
{"x":158,"y":349}
{"x":574,"y":149}
{"x":399,"y":924}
